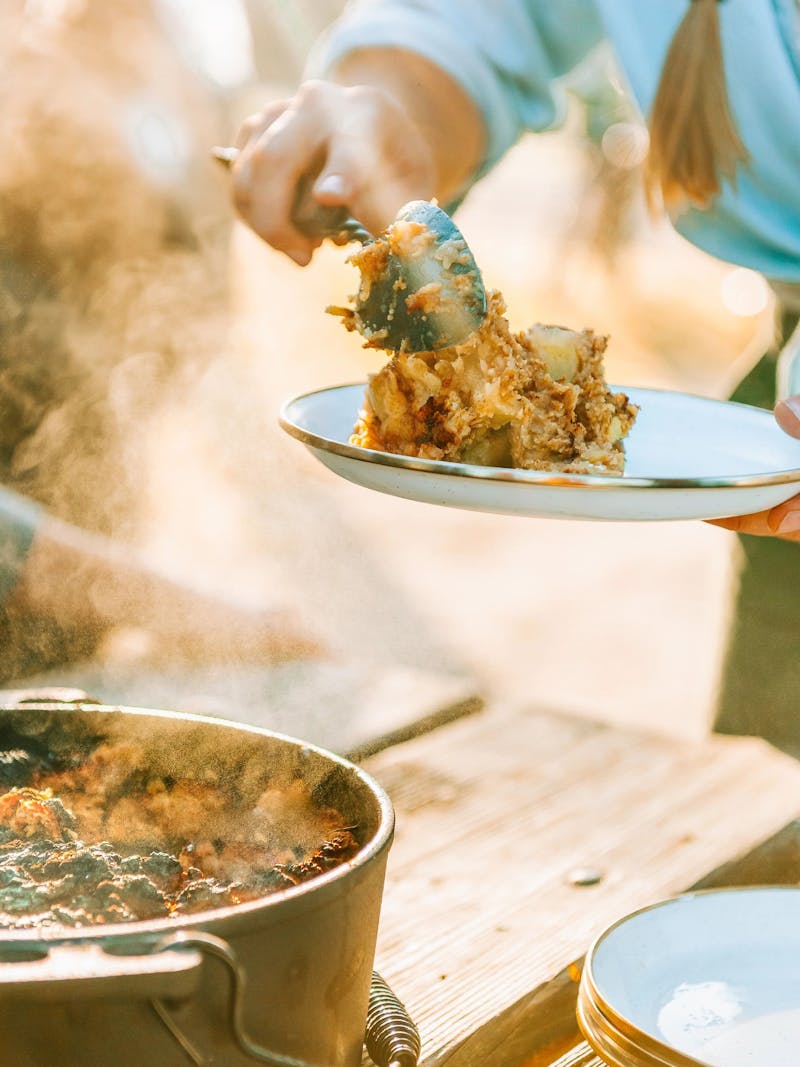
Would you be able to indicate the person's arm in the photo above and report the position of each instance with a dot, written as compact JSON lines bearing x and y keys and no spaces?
{"x":411,"y":100}
{"x":83,"y":582}
{"x":388,"y":127}
{"x":19,"y":521}
{"x":784,"y":520}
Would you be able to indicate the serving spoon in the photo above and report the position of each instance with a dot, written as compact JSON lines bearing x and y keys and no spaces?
{"x":429,"y":293}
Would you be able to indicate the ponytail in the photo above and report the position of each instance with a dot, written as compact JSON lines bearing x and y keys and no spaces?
{"x":694,"y":142}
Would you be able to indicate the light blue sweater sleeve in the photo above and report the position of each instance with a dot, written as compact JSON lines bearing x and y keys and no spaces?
{"x":511,"y":57}
{"x":19,"y":519}
{"x":508,"y":55}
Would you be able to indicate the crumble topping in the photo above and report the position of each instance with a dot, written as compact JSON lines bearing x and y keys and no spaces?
{"x":536,"y":399}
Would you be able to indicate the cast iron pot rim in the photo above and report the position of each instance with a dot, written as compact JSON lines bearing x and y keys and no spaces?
{"x":234,"y":916}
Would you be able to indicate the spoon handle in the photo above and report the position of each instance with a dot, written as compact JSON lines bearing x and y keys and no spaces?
{"x":310,"y":218}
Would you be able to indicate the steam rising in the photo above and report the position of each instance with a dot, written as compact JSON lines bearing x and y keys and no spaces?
{"x":127,"y":409}
{"x":226,"y":757}
{"x":113,"y":230}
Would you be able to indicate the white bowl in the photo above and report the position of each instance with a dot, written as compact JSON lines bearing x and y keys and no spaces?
{"x":708,"y":978}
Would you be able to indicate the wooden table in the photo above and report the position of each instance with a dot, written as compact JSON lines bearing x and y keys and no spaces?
{"x":500,"y":814}
{"x":484,"y":923}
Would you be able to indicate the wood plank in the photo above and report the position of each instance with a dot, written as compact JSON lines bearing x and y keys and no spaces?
{"x":775,"y":862}
{"x":580,"y":1056}
{"x":495,"y":811}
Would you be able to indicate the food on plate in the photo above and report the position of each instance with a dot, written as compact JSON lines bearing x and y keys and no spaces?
{"x":535,"y":399}
{"x":107,"y":840}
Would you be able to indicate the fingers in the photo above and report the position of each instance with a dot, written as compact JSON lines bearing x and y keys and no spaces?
{"x":348,"y":179}
{"x":787,"y":412}
{"x":265,"y":177}
{"x":252,"y":128}
{"x":366,"y":155}
{"x":782,"y":521}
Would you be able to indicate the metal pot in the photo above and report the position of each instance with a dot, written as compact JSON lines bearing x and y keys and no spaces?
{"x":284,"y":979}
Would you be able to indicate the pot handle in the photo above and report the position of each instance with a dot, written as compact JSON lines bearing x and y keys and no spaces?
{"x":392,"y":1038}
{"x":36,"y":970}
{"x":200,"y":942}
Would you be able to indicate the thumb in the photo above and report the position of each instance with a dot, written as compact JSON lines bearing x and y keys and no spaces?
{"x":332,"y":189}
{"x":340,"y":177}
{"x":357,"y":175}
{"x":787,"y":412}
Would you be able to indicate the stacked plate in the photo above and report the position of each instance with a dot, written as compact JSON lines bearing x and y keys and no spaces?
{"x":709,"y":979}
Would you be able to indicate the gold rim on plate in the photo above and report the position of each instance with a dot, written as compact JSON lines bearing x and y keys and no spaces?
{"x":521,"y":475}
{"x":625,"y":1045}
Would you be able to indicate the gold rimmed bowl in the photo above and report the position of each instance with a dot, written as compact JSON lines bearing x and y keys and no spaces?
{"x":707,"y":979}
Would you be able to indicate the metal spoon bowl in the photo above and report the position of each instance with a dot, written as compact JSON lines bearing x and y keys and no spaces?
{"x":429,"y":293}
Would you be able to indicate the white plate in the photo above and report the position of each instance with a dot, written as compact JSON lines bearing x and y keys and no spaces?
{"x":687,"y":458}
{"x":713,"y":976}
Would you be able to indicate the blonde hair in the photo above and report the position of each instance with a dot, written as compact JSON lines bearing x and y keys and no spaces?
{"x":694,"y":142}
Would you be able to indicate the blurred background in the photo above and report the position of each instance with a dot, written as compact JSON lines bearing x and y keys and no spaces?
{"x":147,"y":341}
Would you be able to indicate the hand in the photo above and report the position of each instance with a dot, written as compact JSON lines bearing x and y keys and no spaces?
{"x":198,"y":629}
{"x":90,"y":585}
{"x":367,"y":154}
{"x":784,"y":520}
{"x":389,"y":127}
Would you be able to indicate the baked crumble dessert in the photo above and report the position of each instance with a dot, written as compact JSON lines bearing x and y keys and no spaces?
{"x":536,"y":400}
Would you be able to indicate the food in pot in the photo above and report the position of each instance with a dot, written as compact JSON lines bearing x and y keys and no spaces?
{"x":108,"y":840}
{"x":537,"y":399}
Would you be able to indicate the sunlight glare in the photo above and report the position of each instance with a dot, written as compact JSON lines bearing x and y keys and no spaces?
{"x":744,"y":292}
